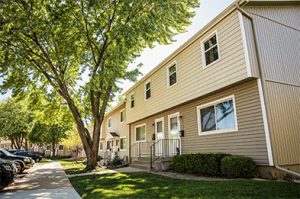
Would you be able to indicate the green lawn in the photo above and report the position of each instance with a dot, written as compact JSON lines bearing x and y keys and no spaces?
{"x":73,"y":167}
{"x":144,"y":185}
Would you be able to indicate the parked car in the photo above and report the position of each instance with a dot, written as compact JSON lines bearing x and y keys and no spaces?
{"x":14,"y":150}
{"x":35,"y":156}
{"x":8,"y":171}
{"x":25,"y":162}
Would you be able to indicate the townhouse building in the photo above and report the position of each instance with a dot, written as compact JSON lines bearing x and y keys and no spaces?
{"x":234,"y":87}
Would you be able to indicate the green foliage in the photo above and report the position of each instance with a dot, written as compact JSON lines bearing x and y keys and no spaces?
{"x":81,"y":49}
{"x":238,"y":167}
{"x":200,"y":164}
{"x":15,"y":122}
{"x":115,"y":161}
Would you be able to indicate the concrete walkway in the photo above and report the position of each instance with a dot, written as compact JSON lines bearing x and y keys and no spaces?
{"x":47,"y":181}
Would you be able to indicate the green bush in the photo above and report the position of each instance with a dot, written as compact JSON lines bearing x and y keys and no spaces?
{"x":200,"y":164}
{"x":116,"y":161}
{"x":238,"y":167}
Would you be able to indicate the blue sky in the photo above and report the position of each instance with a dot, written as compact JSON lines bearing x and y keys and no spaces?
{"x":150,"y":58}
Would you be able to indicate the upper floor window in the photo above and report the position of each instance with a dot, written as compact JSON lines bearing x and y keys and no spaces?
{"x":147,"y":90}
{"x":109,"y":122}
{"x":132,"y":99}
{"x":172,"y":75}
{"x":61,"y":147}
{"x":122,"y":116}
{"x":210,"y":50}
{"x":218,"y":116}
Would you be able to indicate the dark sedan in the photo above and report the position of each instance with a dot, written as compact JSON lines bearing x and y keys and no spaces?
{"x":8,"y":171}
{"x":25,"y":162}
{"x":35,"y":156}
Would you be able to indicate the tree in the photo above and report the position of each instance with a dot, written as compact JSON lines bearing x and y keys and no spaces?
{"x":73,"y":141}
{"x":50,"y":44}
{"x":43,"y":134}
{"x":15,"y":123}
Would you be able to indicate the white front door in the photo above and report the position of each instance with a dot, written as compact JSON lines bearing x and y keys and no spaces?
{"x":174,"y":134}
{"x":160,"y":136}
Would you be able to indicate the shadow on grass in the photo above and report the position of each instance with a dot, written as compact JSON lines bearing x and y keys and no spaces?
{"x":144,"y":185}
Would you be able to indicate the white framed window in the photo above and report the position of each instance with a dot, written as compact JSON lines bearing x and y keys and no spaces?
{"x":123,"y":143}
{"x":132,"y":100}
{"x":122,"y":116}
{"x":101,"y":145}
{"x":159,"y":128}
{"x":140,"y":133}
{"x":217,"y":117}
{"x":61,"y":147}
{"x":108,"y":145}
{"x":147,"y":90}
{"x":109,"y":122}
{"x":172,"y":74}
{"x":210,"y":50}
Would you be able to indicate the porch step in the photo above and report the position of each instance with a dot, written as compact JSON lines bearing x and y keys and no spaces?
{"x":141,"y":166}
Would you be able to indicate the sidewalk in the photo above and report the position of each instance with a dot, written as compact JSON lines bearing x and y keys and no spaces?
{"x":47,"y":181}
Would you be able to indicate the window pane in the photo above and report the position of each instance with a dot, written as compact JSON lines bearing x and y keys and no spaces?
{"x":122,"y":116}
{"x":172,"y":79}
{"x":123,"y":143}
{"x":212,"y":55}
{"x":148,"y":94}
{"x":209,"y":43}
{"x":208,"y":119}
{"x":173,"y":125}
{"x":225,"y":115}
{"x":159,"y":127}
{"x":148,"y":86}
{"x":172,"y":69}
{"x":140,"y":133}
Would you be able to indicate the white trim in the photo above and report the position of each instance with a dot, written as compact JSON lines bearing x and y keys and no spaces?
{"x":245,"y":46}
{"x":123,"y":110}
{"x":168,"y":75}
{"x":265,"y":120}
{"x":109,"y":123}
{"x":163,"y":127}
{"x":198,"y":108}
{"x":177,"y":114}
{"x":144,"y":124}
{"x":145,"y":90}
{"x":130,"y":99}
{"x":203,"y":51}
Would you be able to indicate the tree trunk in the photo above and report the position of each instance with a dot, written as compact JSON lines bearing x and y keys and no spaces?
{"x":53,"y":149}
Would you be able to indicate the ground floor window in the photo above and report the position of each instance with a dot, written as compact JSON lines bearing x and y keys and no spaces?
{"x":123,"y":143}
{"x":140,"y":133}
{"x":218,"y":116}
{"x":61,"y":147}
{"x":101,"y":145}
{"x":108,"y":145}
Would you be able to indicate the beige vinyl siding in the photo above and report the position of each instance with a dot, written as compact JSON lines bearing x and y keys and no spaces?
{"x":249,"y":140}
{"x":116,"y":126}
{"x":278,"y":45}
{"x":192,"y":79}
{"x":278,"y":38}
{"x":284,"y":115}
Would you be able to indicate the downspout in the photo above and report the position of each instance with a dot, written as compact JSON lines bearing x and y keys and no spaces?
{"x":261,"y":75}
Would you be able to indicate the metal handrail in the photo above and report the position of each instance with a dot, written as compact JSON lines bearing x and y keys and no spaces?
{"x":164,"y":148}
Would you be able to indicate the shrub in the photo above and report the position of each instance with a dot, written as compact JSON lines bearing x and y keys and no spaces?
{"x":200,"y":164}
{"x":116,"y":161}
{"x":238,"y":167}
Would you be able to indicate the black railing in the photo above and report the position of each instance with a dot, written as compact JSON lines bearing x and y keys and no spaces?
{"x":164,"y":148}
{"x":140,"y":149}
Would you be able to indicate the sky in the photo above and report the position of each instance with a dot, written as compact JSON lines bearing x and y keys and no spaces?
{"x":150,"y":58}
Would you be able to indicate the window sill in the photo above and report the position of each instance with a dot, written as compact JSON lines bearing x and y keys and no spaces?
{"x":217,"y":132}
{"x":206,"y":66}
{"x":123,"y":149}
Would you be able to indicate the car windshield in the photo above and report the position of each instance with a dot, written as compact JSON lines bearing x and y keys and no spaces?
{"x":5,"y":152}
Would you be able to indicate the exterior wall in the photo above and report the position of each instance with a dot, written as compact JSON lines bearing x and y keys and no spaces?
{"x":116,"y":126}
{"x":249,"y":140}
{"x":278,"y":38}
{"x":193,"y":80}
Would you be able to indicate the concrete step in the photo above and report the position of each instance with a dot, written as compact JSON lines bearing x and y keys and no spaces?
{"x":141,"y":161}
{"x":140,"y":166}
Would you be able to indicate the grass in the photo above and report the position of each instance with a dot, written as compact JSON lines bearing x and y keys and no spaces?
{"x":145,"y":185}
{"x":73,"y":167}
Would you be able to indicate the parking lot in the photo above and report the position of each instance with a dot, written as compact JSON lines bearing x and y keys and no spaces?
{"x":41,"y":181}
